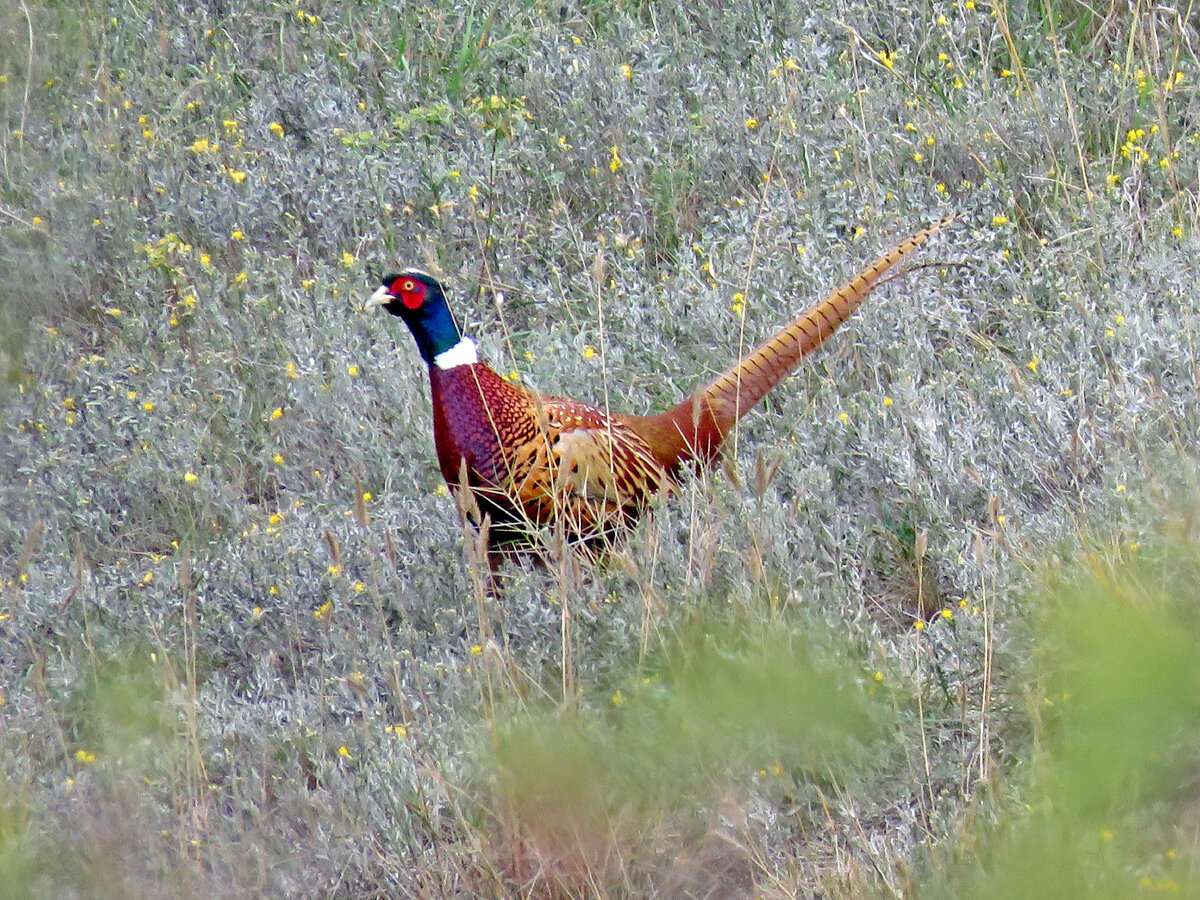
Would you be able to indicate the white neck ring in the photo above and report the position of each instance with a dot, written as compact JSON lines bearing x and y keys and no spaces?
{"x":463,"y":353}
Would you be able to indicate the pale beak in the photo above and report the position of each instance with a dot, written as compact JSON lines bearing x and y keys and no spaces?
{"x":381,"y":297}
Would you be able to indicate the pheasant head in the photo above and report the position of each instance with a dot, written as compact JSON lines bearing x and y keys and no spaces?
{"x":417,"y":298}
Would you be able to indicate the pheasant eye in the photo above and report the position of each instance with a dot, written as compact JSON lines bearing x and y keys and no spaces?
{"x":407,"y":286}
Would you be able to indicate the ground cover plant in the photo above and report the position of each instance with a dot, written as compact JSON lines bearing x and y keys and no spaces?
{"x":929,"y":632}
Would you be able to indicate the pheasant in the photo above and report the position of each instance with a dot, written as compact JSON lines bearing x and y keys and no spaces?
{"x":521,"y":461}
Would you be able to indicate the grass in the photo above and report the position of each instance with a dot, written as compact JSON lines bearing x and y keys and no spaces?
{"x":927,"y":633}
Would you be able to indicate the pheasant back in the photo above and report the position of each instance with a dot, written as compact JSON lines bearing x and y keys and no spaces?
{"x":528,"y":461}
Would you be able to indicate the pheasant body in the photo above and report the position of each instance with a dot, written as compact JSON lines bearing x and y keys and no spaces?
{"x":528,"y":460}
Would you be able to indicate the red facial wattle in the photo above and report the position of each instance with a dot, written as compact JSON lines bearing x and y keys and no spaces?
{"x":409,"y":291}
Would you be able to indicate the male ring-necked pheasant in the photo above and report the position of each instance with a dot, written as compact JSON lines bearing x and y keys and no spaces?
{"x":530,"y":460}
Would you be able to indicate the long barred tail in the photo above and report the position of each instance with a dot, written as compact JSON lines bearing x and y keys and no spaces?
{"x":704,"y":419}
{"x":735,"y":392}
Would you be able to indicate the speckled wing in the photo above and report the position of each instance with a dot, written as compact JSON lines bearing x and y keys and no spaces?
{"x":584,"y":470}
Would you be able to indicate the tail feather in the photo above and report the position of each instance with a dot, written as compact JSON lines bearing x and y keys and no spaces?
{"x":696,"y":427}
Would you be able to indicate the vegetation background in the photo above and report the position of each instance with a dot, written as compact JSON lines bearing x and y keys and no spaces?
{"x":930,"y":633}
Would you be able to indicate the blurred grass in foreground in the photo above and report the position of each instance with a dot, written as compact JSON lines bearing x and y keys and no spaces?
{"x":1106,"y":806}
{"x":1111,"y":809}
{"x":124,"y":739}
{"x":582,"y":787}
